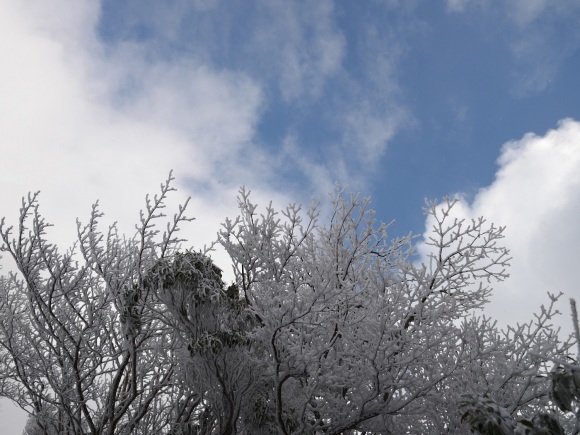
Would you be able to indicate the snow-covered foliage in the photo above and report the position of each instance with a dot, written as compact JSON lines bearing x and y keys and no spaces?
{"x":84,"y":348}
{"x":356,"y":337}
{"x":329,"y":327}
{"x":531,"y":412}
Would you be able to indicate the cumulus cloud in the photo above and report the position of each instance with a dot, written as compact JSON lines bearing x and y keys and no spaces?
{"x":536,"y":195}
{"x":82,"y":121}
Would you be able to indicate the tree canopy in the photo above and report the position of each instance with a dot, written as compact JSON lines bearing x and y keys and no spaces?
{"x":329,"y":327}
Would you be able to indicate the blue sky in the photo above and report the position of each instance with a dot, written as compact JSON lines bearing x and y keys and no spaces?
{"x":428,"y":85}
{"x":402,"y":100}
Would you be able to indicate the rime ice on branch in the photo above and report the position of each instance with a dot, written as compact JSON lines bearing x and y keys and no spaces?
{"x":329,"y":328}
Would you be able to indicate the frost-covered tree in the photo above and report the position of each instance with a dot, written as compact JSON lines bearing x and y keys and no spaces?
{"x":522,"y":401}
{"x":329,"y":327}
{"x":357,"y":337}
{"x":84,"y":349}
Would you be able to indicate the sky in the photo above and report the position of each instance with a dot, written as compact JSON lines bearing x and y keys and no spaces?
{"x":400,"y":100}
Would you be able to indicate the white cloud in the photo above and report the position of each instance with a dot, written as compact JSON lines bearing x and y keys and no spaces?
{"x":536,"y":195}
{"x":82,"y":121}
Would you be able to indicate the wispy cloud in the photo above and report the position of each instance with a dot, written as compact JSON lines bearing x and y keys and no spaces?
{"x":363,"y":106}
{"x":299,"y":45}
{"x":292,"y":47}
{"x":368,"y":130}
{"x":540,"y":35}
{"x":298,"y":56}
{"x":457,"y":5}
